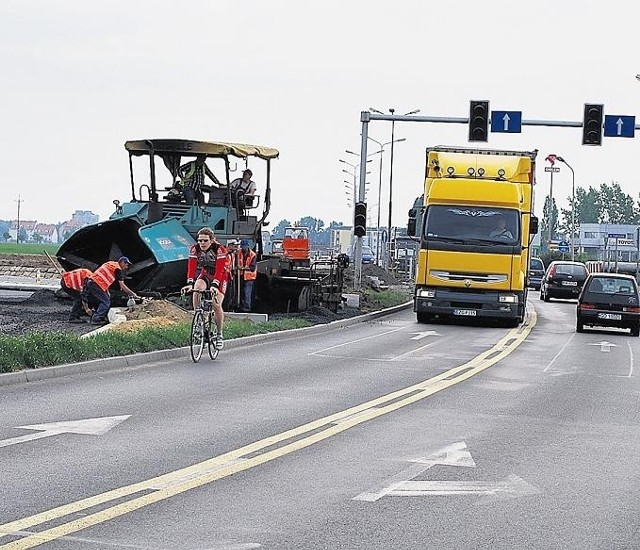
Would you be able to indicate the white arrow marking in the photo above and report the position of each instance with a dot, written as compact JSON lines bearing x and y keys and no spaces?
{"x":403,"y":485}
{"x":619,"y":124}
{"x":452,"y":455}
{"x":604,"y":346}
{"x":424,"y":334}
{"x":512,"y":486}
{"x":89,"y":426}
{"x":506,"y":120}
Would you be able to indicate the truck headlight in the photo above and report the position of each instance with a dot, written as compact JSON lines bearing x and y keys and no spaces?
{"x":426,"y":293}
{"x":508,"y":299}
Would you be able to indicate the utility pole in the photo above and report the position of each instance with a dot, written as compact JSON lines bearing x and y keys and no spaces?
{"x":19,"y":201}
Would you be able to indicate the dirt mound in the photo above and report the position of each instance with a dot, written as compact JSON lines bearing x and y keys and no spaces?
{"x":156,"y":308}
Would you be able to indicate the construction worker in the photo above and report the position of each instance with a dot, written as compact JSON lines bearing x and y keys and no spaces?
{"x":247,"y":265}
{"x":72,"y":283}
{"x":208,"y":267}
{"x":232,"y":296}
{"x":98,"y":284}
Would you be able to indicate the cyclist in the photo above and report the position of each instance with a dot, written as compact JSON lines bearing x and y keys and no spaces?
{"x":207,"y":268}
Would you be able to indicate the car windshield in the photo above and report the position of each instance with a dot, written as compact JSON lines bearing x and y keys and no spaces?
{"x":570,"y":269}
{"x":536,"y":264}
{"x":611,"y":285}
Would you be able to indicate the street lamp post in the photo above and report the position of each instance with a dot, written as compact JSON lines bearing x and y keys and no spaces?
{"x":382,"y":146}
{"x":573,"y":206}
{"x":19,"y":201}
{"x":393,"y":124}
{"x":354,"y":175}
{"x":637,"y":253}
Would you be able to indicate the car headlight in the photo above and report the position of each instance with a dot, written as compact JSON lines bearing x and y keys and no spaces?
{"x":426,"y":293}
{"x":507,"y":299}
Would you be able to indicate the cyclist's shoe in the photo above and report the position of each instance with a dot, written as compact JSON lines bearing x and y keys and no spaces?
{"x":98,"y":322}
{"x":219,"y":341}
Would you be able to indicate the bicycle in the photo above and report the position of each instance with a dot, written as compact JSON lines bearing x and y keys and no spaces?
{"x":203,"y":327}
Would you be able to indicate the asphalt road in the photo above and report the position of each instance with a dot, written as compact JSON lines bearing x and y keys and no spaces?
{"x":386,"y":434}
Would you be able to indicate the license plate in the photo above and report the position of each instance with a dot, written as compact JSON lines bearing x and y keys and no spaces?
{"x":569,"y":283}
{"x":465,"y":312}
{"x":610,"y":316}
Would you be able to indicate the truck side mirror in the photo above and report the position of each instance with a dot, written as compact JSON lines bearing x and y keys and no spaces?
{"x":533,"y":225}
{"x":411,"y":227}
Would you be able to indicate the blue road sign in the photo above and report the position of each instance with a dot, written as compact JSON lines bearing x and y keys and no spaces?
{"x":619,"y":126}
{"x":563,"y":246}
{"x":506,"y":121}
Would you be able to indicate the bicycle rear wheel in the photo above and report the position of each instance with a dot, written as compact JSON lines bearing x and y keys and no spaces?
{"x":213,"y":332}
{"x":197,"y":336}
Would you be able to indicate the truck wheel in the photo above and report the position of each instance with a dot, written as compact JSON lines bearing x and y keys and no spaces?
{"x":424,"y":318}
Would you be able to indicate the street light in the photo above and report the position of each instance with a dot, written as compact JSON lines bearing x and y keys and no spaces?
{"x":354,"y":176}
{"x":382,"y":146}
{"x":393,"y":125}
{"x":573,"y":205}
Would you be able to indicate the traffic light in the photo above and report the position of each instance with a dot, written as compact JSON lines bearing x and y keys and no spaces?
{"x":592,"y":124}
{"x":478,"y":120}
{"x":360,"y":219}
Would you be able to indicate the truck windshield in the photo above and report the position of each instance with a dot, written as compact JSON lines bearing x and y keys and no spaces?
{"x":461,"y":223}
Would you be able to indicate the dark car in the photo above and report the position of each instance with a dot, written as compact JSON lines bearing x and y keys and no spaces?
{"x":563,"y":280}
{"x":609,"y":300}
{"x":536,"y":272}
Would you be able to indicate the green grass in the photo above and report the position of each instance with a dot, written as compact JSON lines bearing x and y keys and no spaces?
{"x":385,"y":299}
{"x":28,"y":248}
{"x":43,"y":349}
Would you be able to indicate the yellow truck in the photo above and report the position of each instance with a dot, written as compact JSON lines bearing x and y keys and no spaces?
{"x":475,"y":224}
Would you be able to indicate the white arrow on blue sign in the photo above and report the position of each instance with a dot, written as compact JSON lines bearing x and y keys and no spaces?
{"x":506,"y":121}
{"x":619,"y":126}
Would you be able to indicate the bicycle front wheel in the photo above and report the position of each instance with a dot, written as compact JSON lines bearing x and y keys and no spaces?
{"x":197,"y":336}
{"x":213,"y":332}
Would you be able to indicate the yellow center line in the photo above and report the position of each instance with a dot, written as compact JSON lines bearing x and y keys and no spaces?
{"x":208,"y":471}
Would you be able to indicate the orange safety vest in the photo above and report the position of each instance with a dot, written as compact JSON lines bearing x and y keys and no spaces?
{"x":75,"y":279}
{"x":246,"y":262}
{"x":105,"y":275}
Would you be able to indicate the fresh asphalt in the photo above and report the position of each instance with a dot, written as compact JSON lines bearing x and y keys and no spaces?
{"x":331,"y":438}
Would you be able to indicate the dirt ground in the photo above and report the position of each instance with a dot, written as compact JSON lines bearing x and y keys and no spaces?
{"x":46,"y":310}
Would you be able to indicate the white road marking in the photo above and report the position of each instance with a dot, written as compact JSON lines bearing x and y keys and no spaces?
{"x":604,"y":346}
{"x":559,"y":353}
{"x":89,"y":426}
{"x":357,"y":340}
{"x":402,"y":484}
{"x":630,"y":360}
{"x":424,"y":334}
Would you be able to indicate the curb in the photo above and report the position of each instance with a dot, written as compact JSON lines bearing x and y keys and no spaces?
{"x":138,"y":359}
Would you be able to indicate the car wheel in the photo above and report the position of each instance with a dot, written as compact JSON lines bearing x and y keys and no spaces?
{"x":579,"y":324}
{"x":635,"y":330}
{"x":546,"y":296}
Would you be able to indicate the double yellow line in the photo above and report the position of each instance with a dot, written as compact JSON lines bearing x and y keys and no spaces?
{"x":165,"y":486}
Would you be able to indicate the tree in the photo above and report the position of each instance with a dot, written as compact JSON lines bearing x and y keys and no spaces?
{"x":616,"y":207}
{"x":278,"y":230}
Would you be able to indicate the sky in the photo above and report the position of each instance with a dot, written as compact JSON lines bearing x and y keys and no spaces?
{"x":81,"y":78}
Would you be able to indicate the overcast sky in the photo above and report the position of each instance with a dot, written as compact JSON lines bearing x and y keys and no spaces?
{"x":80,"y":78}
